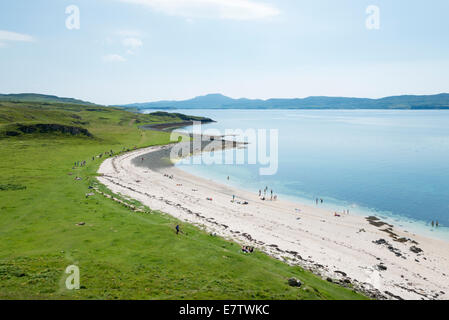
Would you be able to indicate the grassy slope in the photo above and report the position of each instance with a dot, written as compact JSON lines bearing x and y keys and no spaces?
{"x":121,"y":254}
{"x":42,"y":98}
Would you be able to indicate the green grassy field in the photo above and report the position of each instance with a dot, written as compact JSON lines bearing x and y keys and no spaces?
{"x":121,"y":254}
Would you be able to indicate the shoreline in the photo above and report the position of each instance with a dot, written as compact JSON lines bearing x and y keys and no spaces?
{"x":371,"y":256}
{"x":411,"y":225}
{"x":173,"y":125}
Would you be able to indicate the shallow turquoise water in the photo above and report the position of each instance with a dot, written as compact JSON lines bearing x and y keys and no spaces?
{"x":394,"y":164}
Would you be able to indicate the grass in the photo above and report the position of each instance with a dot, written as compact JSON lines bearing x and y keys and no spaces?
{"x":121,"y":254}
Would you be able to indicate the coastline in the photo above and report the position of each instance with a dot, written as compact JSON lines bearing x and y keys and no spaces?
{"x":371,"y":256}
{"x":413,"y":226}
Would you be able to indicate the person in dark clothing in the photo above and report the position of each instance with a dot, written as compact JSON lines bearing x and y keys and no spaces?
{"x":177,"y":229}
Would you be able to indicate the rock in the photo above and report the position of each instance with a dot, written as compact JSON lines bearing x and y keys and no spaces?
{"x":12,"y":133}
{"x":49,"y":128}
{"x":380,"y":241}
{"x":393,"y":295}
{"x":402,"y":240}
{"x":81,"y":224}
{"x":415,"y":249}
{"x":293,"y":282}
{"x":381,"y":267}
{"x":341,"y":272}
{"x":329,"y":279}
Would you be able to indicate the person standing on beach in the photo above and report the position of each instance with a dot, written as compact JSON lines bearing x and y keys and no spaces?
{"x":260,"y":193}
{"x":437,"y":224}
{"x":433,"y":223}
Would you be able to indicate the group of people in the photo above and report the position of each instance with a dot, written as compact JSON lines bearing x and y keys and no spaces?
{"x":80,"y":163}
{"x":247,"y":249}
{"x":128,"y":149}
{"x":238,"y":202}
{"x":435,"y":224}
{"x":84,"y":162}
{"x":339,"y":215}
{"x":265,"y":191}
{"x":319,"y":201}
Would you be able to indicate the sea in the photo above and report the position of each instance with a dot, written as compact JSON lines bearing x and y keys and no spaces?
{"x":393,"y":164}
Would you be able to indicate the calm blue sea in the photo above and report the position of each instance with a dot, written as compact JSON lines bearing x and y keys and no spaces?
{"x":394,"y":164}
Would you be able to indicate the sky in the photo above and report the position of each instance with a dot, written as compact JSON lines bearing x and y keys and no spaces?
{"x":128,"y":51}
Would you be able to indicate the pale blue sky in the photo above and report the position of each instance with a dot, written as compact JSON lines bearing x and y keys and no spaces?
{"x":143,"y":50}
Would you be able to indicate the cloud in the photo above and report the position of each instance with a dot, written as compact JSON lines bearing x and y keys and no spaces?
{"x":223,"y":9}
{"x":129,"y":42}
{"x":9,"y":36}
{"x":133,"y":43}
{"x":113,"y":58}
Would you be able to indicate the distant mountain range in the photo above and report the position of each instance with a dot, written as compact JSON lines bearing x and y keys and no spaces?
{"x":34,"y":97}
{"x":219,"y":101}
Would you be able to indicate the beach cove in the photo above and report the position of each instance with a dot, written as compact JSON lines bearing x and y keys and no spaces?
{"x":366,"y":253}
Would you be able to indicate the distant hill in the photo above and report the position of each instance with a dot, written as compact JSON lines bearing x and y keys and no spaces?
{"x":34,"y":97}
{"x":219,"y":101}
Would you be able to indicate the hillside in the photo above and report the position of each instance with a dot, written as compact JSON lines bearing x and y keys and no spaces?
{"x":34,"y":97}
{"x":51,"y":218}
{"x":218,"y":101}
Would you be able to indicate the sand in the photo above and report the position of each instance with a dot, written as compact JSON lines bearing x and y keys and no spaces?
{"x":341,"y":249}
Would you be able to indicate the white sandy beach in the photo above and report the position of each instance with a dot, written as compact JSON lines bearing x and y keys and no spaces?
{"x":341,"y":248}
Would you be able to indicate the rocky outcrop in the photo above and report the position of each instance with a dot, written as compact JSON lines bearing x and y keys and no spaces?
{"x":53,"y":127}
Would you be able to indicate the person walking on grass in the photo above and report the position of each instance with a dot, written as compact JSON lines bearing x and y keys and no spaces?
{"x":177,"y":229}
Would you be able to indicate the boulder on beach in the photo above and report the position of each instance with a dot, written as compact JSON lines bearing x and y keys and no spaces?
{"x":415,"y":249}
